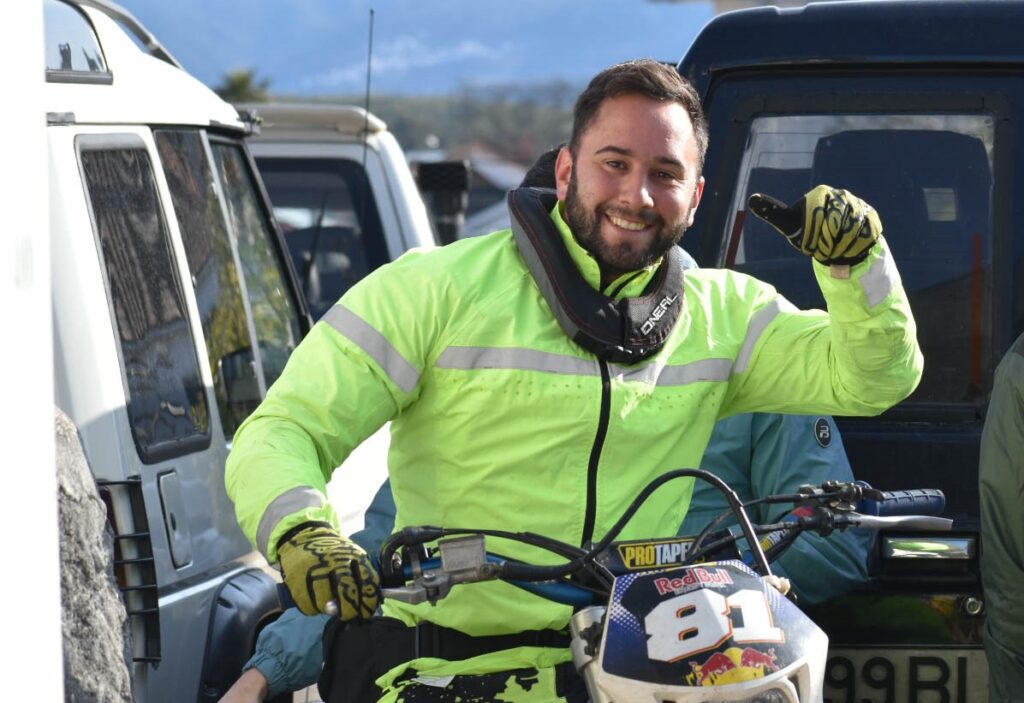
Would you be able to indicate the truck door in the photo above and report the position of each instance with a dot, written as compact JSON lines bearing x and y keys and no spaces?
{"x":932,"y":153}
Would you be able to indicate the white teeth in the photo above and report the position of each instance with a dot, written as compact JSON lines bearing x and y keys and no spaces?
{"x":626,"y":224}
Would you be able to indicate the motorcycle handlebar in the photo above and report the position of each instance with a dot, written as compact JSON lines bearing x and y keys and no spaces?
{"x":821,"y":509}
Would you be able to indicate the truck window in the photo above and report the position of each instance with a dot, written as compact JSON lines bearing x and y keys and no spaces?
{"x":215,"y":278}
{"x":274,"y":311}
{"x":330,"y":223}
{"x":166,"y":400}
{"x":930,"y":178}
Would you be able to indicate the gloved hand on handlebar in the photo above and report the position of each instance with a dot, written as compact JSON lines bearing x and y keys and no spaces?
{"x":834,"y":226}
{"x":320,"y":566}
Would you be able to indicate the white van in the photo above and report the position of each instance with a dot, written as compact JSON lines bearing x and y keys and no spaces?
{"x":346,"y":201}
{"x":342,"y":192}
{"x":174,"y":308}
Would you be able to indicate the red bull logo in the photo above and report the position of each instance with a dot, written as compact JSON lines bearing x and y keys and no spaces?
{"x":732,"y":666}
{"x":693,"y":577}
{"x":755,"y":657}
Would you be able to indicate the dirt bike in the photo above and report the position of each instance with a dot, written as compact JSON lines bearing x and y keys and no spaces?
{"x":690,"y":619}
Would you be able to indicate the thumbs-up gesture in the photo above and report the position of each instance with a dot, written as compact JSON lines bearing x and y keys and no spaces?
{"x":833,"y":226}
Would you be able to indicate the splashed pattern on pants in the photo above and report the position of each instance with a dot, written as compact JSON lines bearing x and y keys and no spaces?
{"x":518,"y":686}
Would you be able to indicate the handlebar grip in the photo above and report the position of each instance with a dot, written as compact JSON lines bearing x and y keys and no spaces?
{"x":287,"y":601}
{"x":917,"y":501}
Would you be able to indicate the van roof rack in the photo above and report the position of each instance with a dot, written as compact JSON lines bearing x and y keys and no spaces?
{"x":326,"y":117}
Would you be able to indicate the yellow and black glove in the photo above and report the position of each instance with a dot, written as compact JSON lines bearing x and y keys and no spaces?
{"x":834,"y":226}
{"x":320,"y":566}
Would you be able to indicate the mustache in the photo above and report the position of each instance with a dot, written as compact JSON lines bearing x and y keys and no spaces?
{"x":648,"y":217}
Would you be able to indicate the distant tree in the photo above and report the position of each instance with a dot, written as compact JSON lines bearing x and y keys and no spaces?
{"x":514,"y":120}
{"x":241,"y":85}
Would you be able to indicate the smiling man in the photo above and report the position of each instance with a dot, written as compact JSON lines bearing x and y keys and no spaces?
{"x":538,"y":378}
{"x":641,"y":189}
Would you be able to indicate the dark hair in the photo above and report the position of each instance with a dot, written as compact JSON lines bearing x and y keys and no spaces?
{"x":542,"y":173}
{"x":641,"y":77}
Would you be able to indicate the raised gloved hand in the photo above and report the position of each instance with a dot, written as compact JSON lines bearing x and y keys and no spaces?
{"x":834,"y":226}
{"x":320,"y":566}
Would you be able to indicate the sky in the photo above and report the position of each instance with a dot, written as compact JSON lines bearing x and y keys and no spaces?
{"x":420,"y":47}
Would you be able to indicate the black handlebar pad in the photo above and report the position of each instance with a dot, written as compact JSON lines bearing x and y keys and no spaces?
{"x":917,"y":501}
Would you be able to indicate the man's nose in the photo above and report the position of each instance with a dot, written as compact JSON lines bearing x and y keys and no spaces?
{"x":636,"y":192}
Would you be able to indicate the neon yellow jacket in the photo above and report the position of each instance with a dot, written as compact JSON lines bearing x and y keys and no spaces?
{"x":500,"y":421}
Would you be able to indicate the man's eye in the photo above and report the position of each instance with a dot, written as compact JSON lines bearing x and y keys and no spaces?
{"x":615,"y":164}
{"x":667,"y":176}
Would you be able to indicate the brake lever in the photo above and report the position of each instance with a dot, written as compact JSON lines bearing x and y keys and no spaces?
{"x":840,"y":496}
{"x":910,"y":522}
{"x":463,"y":560}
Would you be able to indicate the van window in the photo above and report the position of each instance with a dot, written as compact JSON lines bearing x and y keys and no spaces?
{"x":329,"y":221}
{"x":166,"y":401}
{"x":930,"y":178}
{"x":72,"y":50}
{"x":215,"y":277}
{"x":274,"y":311}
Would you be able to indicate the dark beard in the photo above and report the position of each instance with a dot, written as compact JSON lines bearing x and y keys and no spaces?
{"x":615,"y":260}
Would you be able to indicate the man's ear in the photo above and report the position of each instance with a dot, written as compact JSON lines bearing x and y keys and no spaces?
{"x":697,"y":194}
{"x":563,"y":171}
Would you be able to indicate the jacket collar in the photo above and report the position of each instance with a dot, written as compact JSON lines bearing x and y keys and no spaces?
{"x":635,"y":281}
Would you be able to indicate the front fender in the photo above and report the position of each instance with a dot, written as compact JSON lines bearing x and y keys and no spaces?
{"x":243,"y":605}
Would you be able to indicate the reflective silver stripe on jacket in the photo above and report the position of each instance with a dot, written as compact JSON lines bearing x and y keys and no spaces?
{"x":755,"y":328}
{"x":399,"y":370}
{"x":659,"y":375}
{"x":655,"y":373}
{"x":880,"y":278}
{"x":470,"y":358}
{"x":289,"y":502}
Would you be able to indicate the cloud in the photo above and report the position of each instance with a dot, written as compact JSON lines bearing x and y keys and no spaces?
{"x":400,"y":56}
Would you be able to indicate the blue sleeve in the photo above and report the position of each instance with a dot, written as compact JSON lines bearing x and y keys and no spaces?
{"x":760,"y":454}
{"x":728,"y":457}
{"x":289,"y":651}
{"x":791,"y":450}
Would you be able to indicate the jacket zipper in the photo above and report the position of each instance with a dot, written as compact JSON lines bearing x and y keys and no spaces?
{"x":595,"y":453}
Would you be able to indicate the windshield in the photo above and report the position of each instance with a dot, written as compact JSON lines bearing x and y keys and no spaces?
{"x":930,"y":178}
{"x":330,"y":224}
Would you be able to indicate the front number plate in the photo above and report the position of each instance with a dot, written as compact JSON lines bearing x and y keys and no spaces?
{"x":889,"y":675}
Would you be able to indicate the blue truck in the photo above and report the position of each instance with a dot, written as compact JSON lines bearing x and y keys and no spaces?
{"x":911,"y":105}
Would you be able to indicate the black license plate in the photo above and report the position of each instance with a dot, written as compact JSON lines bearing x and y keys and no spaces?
{"x":892,"y":675}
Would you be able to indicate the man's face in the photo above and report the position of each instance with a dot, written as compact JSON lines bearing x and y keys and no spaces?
{"x":633,"y":188}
